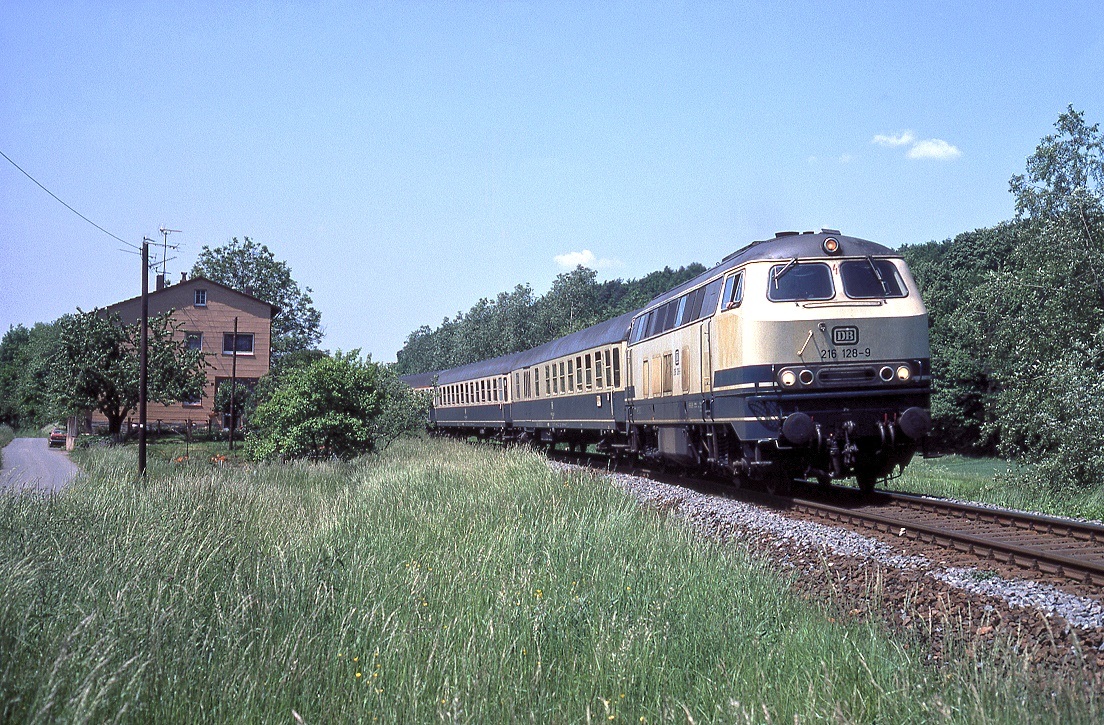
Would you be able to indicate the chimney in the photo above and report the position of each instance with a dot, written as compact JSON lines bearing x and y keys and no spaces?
{"x":183,"y":276}
{"x":160,"y":282}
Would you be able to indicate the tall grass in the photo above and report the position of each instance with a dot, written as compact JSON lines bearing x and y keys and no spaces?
{"x":438,"y":582}
{"x":1000,"y":483}
{"x":7,"y":435}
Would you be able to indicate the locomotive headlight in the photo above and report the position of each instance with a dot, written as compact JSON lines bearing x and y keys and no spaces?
{"x":806,"y":377}
{"x":788,"y":378}
{"x":904,"y":373}
{"x":831,"y":245}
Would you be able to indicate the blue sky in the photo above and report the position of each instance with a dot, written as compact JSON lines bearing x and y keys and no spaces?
{"x":407,"y":159}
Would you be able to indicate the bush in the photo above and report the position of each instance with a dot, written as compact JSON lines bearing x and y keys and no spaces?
{"x":339,"y":407}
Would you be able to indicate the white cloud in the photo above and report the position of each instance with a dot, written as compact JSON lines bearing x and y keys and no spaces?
{"x":929,"y":148}
{"x":846,"y":158}
{"x":933,"y":148}
{"x":571,"y":260}
{"x":902,"y":139}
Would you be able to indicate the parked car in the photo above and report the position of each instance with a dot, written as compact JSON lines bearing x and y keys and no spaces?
{"x":57,"y":437}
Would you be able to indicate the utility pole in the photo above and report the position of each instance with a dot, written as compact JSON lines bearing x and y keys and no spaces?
{"x":143,"y":360}
{"x":234,"y":385}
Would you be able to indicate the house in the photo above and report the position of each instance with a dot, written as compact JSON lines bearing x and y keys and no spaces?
{"x":206,"y":311}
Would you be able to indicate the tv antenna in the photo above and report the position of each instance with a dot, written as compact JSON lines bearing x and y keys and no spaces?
{"x":165,"y":248}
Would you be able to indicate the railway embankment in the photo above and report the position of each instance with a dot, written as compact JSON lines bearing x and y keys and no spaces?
{"x":950,"y":603}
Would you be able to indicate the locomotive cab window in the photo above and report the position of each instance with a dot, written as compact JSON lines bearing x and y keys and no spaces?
{"x":793,"y":282}
{"x":871,"y":279}
{"x":733,"y":291}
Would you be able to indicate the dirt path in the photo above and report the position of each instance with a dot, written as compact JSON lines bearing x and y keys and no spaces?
{"x":29,"y":463}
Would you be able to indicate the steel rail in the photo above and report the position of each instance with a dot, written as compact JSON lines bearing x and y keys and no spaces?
{"x":1054,"y":533}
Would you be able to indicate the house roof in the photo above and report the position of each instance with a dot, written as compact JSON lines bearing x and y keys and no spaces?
{"x":199,"y":281}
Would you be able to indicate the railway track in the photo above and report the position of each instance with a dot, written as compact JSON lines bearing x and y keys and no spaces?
{"x":1070,"y":549}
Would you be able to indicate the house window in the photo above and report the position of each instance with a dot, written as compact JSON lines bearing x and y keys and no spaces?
{"x":201,"y":298}
{"x":245,"y":343}
{"x":194,"y":340}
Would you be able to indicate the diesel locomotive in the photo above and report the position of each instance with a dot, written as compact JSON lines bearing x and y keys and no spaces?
{"x":805,"y":355}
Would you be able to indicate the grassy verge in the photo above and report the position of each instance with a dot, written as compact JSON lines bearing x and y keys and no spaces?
{"x":437,"y":582}
{"x":7,"y":435}
{"x":991,"y":480}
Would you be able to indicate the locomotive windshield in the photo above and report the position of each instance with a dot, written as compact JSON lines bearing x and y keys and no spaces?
{"x":792,"y":282}
{"x":871,"y":279}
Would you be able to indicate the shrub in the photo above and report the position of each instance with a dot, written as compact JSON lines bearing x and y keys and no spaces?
{"x":336,"y":407}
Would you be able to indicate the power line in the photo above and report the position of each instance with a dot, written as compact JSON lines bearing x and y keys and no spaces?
{"x":82,"y":216}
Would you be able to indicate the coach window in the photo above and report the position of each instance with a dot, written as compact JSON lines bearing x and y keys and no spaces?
{"x":598,"y":370}
{"x":579,"y":373}
{"x":616,"y":367}
{"x":589,"y":362}
{"x":563,"y":377}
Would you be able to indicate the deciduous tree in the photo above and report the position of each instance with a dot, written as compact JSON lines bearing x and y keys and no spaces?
{"x":94,"y":365}
{"x":253,"y":269}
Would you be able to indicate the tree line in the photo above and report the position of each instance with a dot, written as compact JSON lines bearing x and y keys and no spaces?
{"x":520,"y":320}
{"x":1017,"y":317}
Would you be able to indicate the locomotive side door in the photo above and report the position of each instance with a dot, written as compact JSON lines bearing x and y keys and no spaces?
{"x":706,"y":360}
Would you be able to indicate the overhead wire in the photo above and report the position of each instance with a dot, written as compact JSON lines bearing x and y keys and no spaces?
{"x":60,"y":201}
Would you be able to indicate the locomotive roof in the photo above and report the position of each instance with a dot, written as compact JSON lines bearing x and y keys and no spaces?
{"x":783,"y":247}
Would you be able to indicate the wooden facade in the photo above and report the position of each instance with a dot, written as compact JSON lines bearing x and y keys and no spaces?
{"x":207,"y":311}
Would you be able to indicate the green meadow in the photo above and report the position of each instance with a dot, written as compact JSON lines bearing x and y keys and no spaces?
{"x":434,"y":582}
{"x":991,"y":480}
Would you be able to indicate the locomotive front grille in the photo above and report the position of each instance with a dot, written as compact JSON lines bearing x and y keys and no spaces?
{"x":847,"y":374}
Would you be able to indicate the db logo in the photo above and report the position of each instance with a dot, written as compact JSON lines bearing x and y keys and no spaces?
{"x":845,"y":335}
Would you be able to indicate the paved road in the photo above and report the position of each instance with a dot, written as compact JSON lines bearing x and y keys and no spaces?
{"x":29,"y":463}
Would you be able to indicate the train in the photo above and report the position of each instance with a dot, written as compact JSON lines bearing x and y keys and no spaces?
{"x":801,"y":356}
